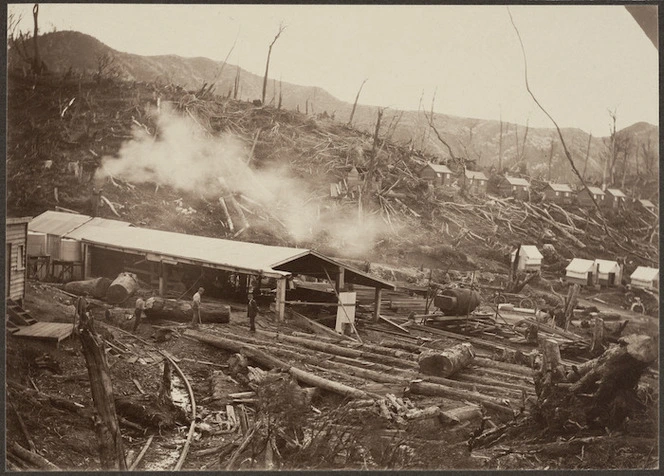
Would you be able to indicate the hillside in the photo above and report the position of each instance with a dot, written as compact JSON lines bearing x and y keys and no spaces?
{"x":475,"y":139}
{"x":167,"y":168}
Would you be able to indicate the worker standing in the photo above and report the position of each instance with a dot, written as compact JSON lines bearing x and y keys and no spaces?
{"x":196,"y":307}
{"x":252,"y":311}
{"x":139,"y":307}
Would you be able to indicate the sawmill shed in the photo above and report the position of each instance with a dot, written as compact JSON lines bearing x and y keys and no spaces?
{"x":16,"y":238}
{"x":54,"y":246}
{"x":167,"y":260}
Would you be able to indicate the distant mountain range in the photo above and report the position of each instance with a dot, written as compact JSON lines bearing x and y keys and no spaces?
{"x":472,"y":138}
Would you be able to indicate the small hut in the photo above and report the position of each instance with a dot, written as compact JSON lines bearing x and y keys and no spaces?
{"x":560,"y":193}
{"x":530,"y":259}
{"x":645,"y":277}
{"x":609,"y":273}
{"x":584,"y":197}
{"x":437,"y":174}
{"x":581,"y":271}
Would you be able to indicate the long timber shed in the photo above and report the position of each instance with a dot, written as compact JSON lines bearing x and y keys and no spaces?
{"x":162,"y":257}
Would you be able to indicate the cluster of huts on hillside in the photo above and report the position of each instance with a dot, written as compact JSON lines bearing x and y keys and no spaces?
{"x":588,"y":272}
{"x":476,"y":183}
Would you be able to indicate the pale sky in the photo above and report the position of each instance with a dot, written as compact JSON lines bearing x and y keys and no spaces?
{"x":582,"y":60}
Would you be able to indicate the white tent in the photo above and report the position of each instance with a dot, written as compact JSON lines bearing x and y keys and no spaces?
{"x":645,"y":277}
{"x":530,"y":258}
{"x":610,"y":272}
{"x":581,"y":271}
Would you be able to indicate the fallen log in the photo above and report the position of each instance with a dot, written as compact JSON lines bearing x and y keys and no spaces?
{"x":33,"y":458}
{"x":468,"y":413}
{"x":425,"y":388}
{"x":122,"y":288}
{"x":271,"y":362}
{"x":339,"y":350}
{"x":181,"y":311}
{"x":447,"y":362}
{"x":144,"y":450}
{"x":314,"y":326}
{"x":96,"y":287}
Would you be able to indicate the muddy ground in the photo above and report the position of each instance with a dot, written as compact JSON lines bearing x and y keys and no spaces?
{"x":69,"y":441}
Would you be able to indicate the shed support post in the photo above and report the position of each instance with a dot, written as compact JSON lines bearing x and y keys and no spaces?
{"x":87,"y":262}
{"x":378,"y":296}
{"x":281,"y":299}
{"x":162,"y":279}
{"x":339,"y":282}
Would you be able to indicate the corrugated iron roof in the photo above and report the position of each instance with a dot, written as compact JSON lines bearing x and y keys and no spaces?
{"x":594,"y":190}
{"x":580,"y":265}
{"x":560,"y":187}
{"x":517,"y":181}
{"x":57,"y":223}
{"x":476,"y":175}
{"x":238,"y":255}
{"x":79,"y":232}
{"x":616,"y":192}
{"x":439,"y":168}
{"x":645,"y":273}
{"x":606,"y":266}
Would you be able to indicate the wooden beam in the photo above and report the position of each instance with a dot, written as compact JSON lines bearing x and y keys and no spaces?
{"x":162,"y":278}
{"x":377,"y":298}
{"x":281,"y":299}
{"x":340,"y":279}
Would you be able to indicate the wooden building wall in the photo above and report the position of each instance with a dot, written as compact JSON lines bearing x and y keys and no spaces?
{"x":16,"y":242}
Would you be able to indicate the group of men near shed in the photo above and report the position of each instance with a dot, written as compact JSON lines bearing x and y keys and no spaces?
{"x":252,"y":310}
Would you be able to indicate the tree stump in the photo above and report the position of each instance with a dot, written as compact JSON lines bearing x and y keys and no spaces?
{"x":122,"y":288}
{"x":111,"y":452}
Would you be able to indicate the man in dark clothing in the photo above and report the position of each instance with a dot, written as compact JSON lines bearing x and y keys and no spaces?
{"x":252,"y":311}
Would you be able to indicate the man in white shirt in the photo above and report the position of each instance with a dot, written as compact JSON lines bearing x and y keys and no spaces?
{"x":138,"y":312}
{"x":196,"y":307}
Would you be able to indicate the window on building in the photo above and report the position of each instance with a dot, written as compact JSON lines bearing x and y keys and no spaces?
{"x":438,"y":174}
{"x":557,"y":194}
{"x":20,"y":259}
{"x":514,"y":188}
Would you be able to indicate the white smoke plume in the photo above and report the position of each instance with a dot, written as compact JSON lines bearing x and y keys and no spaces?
{"x":187,"y":158}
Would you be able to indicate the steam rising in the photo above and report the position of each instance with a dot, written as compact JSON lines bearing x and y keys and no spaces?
{"x":185,"y":157}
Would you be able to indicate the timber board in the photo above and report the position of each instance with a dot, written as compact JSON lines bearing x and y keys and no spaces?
{"x":55,"y":331}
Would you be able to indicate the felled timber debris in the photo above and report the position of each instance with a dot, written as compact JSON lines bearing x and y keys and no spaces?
{"x":447,"y":362}
{"x":598,"y":392}
{"x":122,"y":288}
{"x":181,"y":311}
{"x":265,"y":359}
{"x":96,"y":287}
{"x":111,"y":450}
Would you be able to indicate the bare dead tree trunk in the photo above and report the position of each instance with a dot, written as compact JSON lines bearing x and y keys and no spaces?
{"x":500,"y":146}
{"x":624,"y":174}
{"x":221,"y":68}
{"x":280,"y":95}
{"x":568,"y":155}
{"x":550,"y":158}
{"x":236,"y":83}
{"x":267,"y":63}
{"x":111,"y":452}
{"x":357,"y":96}
{"x":585,"y":164}
{"x":36,"y":60}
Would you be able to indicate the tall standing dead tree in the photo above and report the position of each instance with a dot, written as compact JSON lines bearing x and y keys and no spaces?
{"x":111,"y":452}
{"x":267,"y":63}
{"x":357,"y":96}
{"x":36,"y":60}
